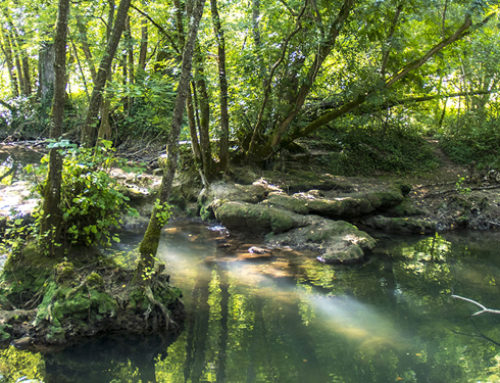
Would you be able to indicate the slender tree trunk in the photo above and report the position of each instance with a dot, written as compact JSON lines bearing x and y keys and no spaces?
{"x":27,"y":76}
{"x":90,"y":127}
{"x":224,"y":115}
{"x":195,"y":143}
{"x":80,"y":69}
{"x":82,"y":31}
{"x":52,"y":216}
{"x":390,"y":43}
{"x":7,"y":51}
{"x":204,"y":126}
{"x":130,"y":52}
{"x":149,"y":244}
{"x":143,"y":50}
{"x":17,"y":61}
{"x":255,"y":22}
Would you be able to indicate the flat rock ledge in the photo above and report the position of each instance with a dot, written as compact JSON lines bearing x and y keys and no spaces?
{"x":311,"y":220}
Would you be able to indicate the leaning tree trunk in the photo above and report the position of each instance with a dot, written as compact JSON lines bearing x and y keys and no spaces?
{"x":52,"y":217}
{"x":90,"y":127}
{"x":149,"y":244}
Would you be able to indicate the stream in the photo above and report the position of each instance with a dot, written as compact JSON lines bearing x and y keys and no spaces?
{"x":284,"y":317}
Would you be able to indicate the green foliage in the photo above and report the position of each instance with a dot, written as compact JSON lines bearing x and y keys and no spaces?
{"x":17,"y":365}
{"x":470,"y":139}
{"x":371,"y":150}
{"x":91,"y":202}
{"x":163,"y":212}
{"x":459,"y":186}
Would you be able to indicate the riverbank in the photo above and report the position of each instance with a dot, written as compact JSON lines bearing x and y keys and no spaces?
{"x":299,"y":204}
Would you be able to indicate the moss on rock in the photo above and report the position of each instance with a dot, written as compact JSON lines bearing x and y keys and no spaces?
{"x":336,"y":241}
{"x":257,"y":218}
{"x":75,"y":300}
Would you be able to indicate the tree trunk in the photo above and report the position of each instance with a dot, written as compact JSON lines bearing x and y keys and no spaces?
{"x":52,"y":216}
{"x":17,"y":61}
{"x":82,"y":31}
{"x":90,"y":127}
{"x":46,"y":75}
{"x":143,"y":50}
{"x":224,"y":115}
{"x":204,"y":126}
{"x":7,"y":51}
{"x":255,"y":22}
{"x":323,"y":52}
{"x":149,"y":244}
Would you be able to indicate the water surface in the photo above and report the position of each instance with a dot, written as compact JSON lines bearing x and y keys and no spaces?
{"x":284,"y":317}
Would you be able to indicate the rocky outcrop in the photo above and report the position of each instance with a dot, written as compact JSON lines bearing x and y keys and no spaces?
{"x":335,"y":241}
{"x":308,"y":220}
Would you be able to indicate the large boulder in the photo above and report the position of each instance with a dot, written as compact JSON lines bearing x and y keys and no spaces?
{"x":219,"y":193}
{"x":256,"y":218}
{"x":336,"y":241}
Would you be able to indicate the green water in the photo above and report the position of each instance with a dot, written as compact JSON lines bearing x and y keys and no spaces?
{"x":287,"y":318}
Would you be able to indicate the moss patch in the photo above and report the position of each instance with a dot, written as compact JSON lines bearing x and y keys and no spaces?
{"x":76,"y":300}
{"x":257,"y":218}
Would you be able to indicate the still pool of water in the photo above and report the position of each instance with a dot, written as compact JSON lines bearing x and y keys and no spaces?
{"x":284,"y":317}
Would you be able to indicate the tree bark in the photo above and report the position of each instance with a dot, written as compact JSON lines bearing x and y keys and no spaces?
{"x":52,"y":216}
{"x":149,"y":244}
{"x":89,"y":130}
{"x":143,"y":50}
{"x":224,"y":115}
{"x":204,"y":108}
{"x":46,"y":75}
{"x":255,"y":22}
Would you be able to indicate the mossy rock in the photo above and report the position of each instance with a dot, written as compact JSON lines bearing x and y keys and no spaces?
{"x":336,"y":241}
{"x":402,"y":225}
{"x":405,"y":209}
{"x":284,"y":201}
{"x":219,"y":193}
{"x":75,"y":299}
{"x":65,"y":271}
{"x":258,"y":218}
{"x":353,"y":205}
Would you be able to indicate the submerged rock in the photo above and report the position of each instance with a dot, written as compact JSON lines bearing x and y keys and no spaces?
{"x":336,"y":241}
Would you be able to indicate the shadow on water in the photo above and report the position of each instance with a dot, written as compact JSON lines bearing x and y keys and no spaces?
{"x":283,"y":317}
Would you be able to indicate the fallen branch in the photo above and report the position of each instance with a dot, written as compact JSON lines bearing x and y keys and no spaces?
{"x":483,"y":308}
